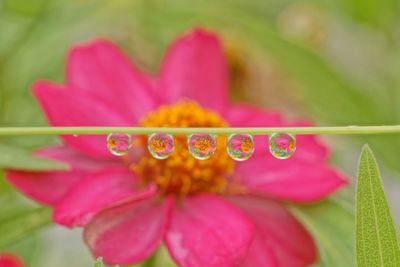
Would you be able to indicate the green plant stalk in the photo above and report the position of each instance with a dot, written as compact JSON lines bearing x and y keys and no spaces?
{"x":343,"y":130}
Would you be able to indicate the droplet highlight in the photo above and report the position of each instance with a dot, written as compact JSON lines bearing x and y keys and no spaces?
{"x":119,"y":143}
{"x":282,"y":145}
{"x":240,"y":146}
{"x":202,"y":146}
{"x":160,"y":145}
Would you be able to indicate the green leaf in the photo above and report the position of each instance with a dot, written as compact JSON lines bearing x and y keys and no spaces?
{"x":376,"y":238}
{"x":381,"y":13}
{"x":12,"y":157}
{"x":98,"y":262}
{"x":26,"y":8}
{"x":163,"y":258}
{"x":24,"y":224}
{"x":332,"y":225}
{"x":160,"y":257}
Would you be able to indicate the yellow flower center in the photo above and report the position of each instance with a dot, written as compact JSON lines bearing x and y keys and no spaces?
{"x":246,"y":145}
{"x":157,"y":145}
{"x":292,"y":145}
{"x":203,"y":144}
{"x":182,"y":174}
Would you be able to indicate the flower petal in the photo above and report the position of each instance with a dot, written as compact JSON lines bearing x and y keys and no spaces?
{"x":241,"y":115}
{"x":66,"y":107}
{"x":303,"y":177}
{"x":95,"y":192}
{"x":128,"y":233}
{"x":290,"y":179}
{"x":195,"y":68}
{"x":260,"y":254}
{"x":277,"y":231}
{"x":102,"y":71}
{"x":9,"y":259}
{"x":49,"y":187}
{"x":208,"y":231}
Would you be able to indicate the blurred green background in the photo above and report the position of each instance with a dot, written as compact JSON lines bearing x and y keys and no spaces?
{"x":335,"y":62}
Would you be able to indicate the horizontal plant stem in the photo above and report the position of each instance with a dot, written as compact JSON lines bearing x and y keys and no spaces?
{"x":389,"y":129}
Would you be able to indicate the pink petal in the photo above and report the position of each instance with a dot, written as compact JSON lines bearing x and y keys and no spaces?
{"x":312,"y":148}
{"x":128,"y":233}
{"x":49,"y":187}
{"x":67,"y":107}
{"x":102,"y":71}
{"x":241,"y":115}
{"x":208,"y":231}
{"x":290,"y":179}
{"x":9,"y":259}
{"x":276,"y":231}
{"x":95,"y":192}
{"x":304,"y":177}
{"x":260,"y":254}
{"x":195,"y":68}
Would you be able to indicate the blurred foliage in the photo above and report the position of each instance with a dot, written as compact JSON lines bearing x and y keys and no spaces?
{"x":340,"y":59}
{"x":374,"y":13}
{"x":98,"y":263}
{"x":332,"y":224}
{"x":22,"y":224}
{"x":13,"y":157}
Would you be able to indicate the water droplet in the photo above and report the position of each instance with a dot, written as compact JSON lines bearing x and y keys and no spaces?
{"x":282,"y":145}
{"x":240,"y":146}
{"x":202,"y":146}
{"x":160,"y":145}
{"x":119,"y":143}
{"x":75,"y":135}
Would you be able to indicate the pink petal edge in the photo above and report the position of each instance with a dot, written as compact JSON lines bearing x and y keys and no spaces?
{"x":208,"y":231}
{"x":277,"y":232}
{"x":102,"y":70}
{"x":194,"y":67}
{"x":96,"y":192}
{"x":66,"y":107}
{"x":130,"y":232}
{"x":290,"y":179}
{"x":50,"y":187}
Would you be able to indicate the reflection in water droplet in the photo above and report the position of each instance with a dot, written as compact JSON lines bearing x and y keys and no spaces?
{"x":202,"y":146}
{"x":240,"y":146}
{"x":160,"y":145}
{"x":119,"y":143}
{"x":282,"y":145}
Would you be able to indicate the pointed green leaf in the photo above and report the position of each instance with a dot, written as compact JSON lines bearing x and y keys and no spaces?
{"x":12,"y":157}
{"x":23,"y":224}
{"x":332,"y":225}
{"x":376,"y":237}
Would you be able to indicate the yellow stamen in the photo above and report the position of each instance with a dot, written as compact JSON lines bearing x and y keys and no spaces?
{"x":203,"y":144}
{"x":181,"y":174}
{"x":157,"y":145}
{"x":246,"y":145}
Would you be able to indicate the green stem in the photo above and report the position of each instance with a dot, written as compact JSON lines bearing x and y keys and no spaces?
{"x":389,"y":129}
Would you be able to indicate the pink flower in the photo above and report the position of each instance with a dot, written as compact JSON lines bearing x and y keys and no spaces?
{"x":211,"y":213}
{"x":10,"y":260}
